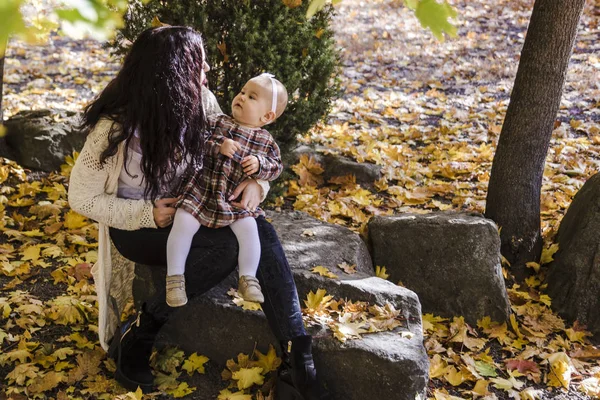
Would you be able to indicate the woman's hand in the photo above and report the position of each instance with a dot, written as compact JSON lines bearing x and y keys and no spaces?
{"x":251,"y":196}
{"x":164,"y":212}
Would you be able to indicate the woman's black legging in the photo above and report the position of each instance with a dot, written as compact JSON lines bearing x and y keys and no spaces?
{"x":213,"y":256}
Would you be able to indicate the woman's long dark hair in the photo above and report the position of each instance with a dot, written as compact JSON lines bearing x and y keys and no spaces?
{"x":157,"y":93}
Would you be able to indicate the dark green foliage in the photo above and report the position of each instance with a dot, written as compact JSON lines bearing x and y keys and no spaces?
{"x":258,"y":36}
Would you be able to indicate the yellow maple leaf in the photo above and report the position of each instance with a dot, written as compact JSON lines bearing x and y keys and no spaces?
{"x":247,"y":377}
{"x":309,"y":171}
{"x":89,"y":361}
{"x":346,"y":329}
{"x":21,"y":202}
{"x":268,"y":362}
{"x":52,"y":251}
{"x":437,"y":366}
{"x":381,"y":272}
{"x":20,"y":354}
{"x":531,"y":394}
{"x":515,"y":326}
{"x":5,"y":307}
{"x":4,"y":170}
{"x":22,"y":372}
{"x":533,"y":265}
{"x":507,"y":384}
{"x":195,"y":362}
{"x":576,"y":336}
{"x":432,"y":322}
{"x":547,"y":254}
{"x":33,"y":233}
{"x":165,"y":381}
{"x":137,"y":395}
{"x":31,"y":308}
{"x":45,"y":382}
{"x":182,"y":390}
{"x":99,"y":384}
{"x":63,"y":353}
{"x":481,"y":388}
{"x":317,"y":301}
{"x":66,"y":310}
{"x":323,"y":271}
{"x":560,"y":370}
{"x":225,"y":394}
{"x":31,"y":253}
{"x":455,"y":377}
{"x":238,"y":301}
{"x":65,"y":169}
{"x":442,"y":394}
{"x":75,"y":221}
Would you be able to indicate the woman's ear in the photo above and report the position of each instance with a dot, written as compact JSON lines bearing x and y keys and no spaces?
{"x":268,"y":117}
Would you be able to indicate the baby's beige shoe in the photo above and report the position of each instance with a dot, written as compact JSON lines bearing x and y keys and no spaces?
{"x":249,"y":289}
{"x":176,"y":296}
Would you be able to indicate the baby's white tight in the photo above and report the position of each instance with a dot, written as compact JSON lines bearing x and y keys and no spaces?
{"x":185,"y":226}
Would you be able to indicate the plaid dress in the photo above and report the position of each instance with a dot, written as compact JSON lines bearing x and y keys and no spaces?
{"x":206,"y":191}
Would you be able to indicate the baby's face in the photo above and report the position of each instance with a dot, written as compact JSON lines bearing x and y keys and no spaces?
{"x":252,"y":103}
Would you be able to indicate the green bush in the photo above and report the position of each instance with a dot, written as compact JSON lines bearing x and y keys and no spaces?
{"x":244,"y":38}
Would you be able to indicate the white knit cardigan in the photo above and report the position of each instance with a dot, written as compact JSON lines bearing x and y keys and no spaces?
{"x":93,"y":193}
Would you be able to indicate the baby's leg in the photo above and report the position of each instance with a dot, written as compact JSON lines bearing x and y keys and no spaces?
{"x":246,"y":232}
{"x":185,"y":226}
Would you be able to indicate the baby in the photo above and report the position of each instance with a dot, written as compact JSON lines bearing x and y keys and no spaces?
{"x":238,"y":148}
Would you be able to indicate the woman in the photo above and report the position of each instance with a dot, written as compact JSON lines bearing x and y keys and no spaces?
{"x":146,"y":129}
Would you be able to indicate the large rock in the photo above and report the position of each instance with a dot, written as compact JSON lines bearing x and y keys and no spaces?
{"x":308,"y":243}
{"x":35,"y":140}
{"x":451,"y":260}
{"x":337,"y":165}
{"x":574,"y":275}
{"x":212,"y":325}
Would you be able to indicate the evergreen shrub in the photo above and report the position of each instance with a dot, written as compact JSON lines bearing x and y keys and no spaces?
{"x":244,"y":38}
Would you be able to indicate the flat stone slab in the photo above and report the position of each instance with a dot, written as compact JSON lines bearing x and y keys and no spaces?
{"x":451,"y":260}
{"x":309,"y":242}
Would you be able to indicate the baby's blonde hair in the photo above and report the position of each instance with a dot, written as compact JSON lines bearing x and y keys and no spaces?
{"x":282,"y":94}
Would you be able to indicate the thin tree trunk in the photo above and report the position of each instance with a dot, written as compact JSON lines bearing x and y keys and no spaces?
{"x":1,"y":82}
{"x":513,"y":199}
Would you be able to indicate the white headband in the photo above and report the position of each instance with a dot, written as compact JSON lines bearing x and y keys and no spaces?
{"x":274,"y":86}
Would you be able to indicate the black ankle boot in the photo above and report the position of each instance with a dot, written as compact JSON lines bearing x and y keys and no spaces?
{"x":131,"y":348}
{"x":304,"y":379}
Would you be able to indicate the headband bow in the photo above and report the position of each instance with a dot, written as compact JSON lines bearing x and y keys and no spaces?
{"x":274,"y":86}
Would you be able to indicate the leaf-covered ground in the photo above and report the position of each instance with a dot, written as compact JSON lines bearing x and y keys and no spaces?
{"x":429,"y":113}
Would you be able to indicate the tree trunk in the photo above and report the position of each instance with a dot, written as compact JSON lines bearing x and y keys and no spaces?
{"x":1,"y":81}
{"x":513,"y":199}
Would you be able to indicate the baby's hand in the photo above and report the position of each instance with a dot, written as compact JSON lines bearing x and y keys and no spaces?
{"x":250,"y":164}
{"x":229,"y":147}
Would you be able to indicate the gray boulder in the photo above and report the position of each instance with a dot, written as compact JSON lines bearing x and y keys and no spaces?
{"x":308,"y":243}
{"x":214,"y":326}
{"x":35,"y":140}
{"x":451,"y":260}
{"x":336,"y":165}
{"x":574,"y":276}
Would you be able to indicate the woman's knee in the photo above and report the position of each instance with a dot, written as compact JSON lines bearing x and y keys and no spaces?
{"x":266,"y":232}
